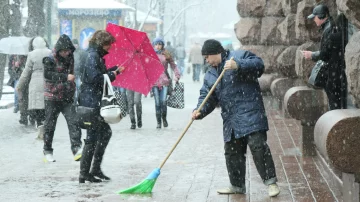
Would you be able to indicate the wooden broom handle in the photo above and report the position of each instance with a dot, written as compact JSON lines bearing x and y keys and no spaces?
{"x":192,"y":120}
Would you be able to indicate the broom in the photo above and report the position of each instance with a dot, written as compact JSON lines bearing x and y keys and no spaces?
{"x":147,"y":185}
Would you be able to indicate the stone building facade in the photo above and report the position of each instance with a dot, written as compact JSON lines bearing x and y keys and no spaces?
{"x":277,"y":30}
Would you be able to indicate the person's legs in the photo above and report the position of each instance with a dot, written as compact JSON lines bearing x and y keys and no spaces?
{"x":78,"y":84}
{"x":235,"y":156}
{"x":16,"y":97}
{"x":181,"y":66}
{"x":194,"y":72}
{"x":163,"y":104}
{"x":38,"y":116}
{"x":334,"y":99}
{"x":130,"y":100}
{"x":104,"y":134}
{"x":263,"y":160}
{"x":262,"y":157}
{"x":137,"y":100}
{"x":74,"y":130}
{"x":156,"y":94}
{"x":52,"y":111}
{"x":23,"y":104}
{"x":197,"y":72}
{"x":88,"y":154}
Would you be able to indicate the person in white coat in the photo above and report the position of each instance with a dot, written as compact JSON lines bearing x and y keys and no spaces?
{"x":33,"y":77}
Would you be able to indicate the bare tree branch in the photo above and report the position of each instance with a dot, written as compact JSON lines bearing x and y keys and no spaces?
{"x":181,"y":11}
{"x":151,"y":7}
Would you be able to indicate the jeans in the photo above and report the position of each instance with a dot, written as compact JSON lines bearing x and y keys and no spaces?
{"x":52,"y":111}
{"x":181,"y":65}
{"x":134,"y":98}
{"x":78,"y":84}
{"x":196,"y":72}
{"x":16,"y":96}
{"x":235,"y":155}
{"x":160,"y":95}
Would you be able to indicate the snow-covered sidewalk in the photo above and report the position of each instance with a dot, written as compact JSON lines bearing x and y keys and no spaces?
{"x":7,"y":99}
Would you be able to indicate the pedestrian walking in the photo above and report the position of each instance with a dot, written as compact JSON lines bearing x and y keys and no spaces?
{"x":160,"y":88}
{"x":332,"y":53}
{"x":59,"y":96}
{"x":242,"y":109}
{"x":33,"y":79}
{"x":196,"y":59}
{"x":99,"y":132}
{"x":170,"y":49}
{"x":180,"y":58}
{"x":16,"y":67}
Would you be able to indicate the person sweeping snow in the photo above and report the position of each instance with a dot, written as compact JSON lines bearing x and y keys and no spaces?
{"x":242,"y":109}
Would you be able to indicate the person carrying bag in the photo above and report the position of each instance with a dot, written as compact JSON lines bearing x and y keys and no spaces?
{"x":92,"y":95}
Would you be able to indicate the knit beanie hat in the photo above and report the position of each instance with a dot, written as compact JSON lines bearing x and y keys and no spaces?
{"x":158,"y":40}
{"x":212,"y":47}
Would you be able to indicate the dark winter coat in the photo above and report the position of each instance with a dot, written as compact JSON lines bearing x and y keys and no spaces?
{"x":332,"y":53}
{"x":238,"y":94}
{"x":91,"y":89}
{"x":56,"y":71}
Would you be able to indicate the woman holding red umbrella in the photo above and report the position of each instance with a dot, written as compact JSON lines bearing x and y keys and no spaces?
{"x":160,"y":88}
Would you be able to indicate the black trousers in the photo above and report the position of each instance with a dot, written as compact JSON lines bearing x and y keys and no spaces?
{"x":337,"y":99}
{"x":52,"y":111}
{"x":235,"y":155}
{"x":99,"y":135}
{"x":38,"y":115}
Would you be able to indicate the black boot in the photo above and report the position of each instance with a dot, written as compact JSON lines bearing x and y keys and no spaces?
{"x":139,"y":121}
{"x":23,"y":119}
{"x":164,"y":120}
{"x":98,"y":157}
{"x":133,"y":124}
{"x":85,"y":163}
{"x":158,"y":119}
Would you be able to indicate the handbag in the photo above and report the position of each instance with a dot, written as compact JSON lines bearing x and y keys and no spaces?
{"x":122,"y":102}
{"x":84,"y":116}
{"x":176,"y":99}
{"x":319,"y":75}
{"x":110,"y":110}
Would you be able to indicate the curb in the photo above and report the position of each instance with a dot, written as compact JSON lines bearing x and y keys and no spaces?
{"x":7,"y":106}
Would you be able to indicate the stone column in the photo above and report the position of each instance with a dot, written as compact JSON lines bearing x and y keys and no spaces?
{"x":307,"y":105}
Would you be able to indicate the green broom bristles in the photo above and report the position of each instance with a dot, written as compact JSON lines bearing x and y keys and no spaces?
{"x":145,"y":186}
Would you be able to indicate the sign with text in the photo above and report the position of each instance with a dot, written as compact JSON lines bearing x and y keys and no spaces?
{"x":90,"y":12}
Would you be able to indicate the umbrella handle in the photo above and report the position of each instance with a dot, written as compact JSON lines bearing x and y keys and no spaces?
{"x":192,"y":120}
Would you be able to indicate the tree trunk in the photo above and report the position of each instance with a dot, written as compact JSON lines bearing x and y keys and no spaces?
{"x":35,"y":25}
{"x":161,"y":15}
{"x":4,"y":32}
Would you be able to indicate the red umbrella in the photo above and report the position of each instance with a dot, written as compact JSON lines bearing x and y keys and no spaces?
{"x":133,"y":51}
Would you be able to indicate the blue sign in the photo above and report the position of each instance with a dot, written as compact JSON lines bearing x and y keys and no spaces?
{"x":90,"y":12}
{"x":66,"y":28}
{"x":85,"y":36}
{"x":116,"y":22}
